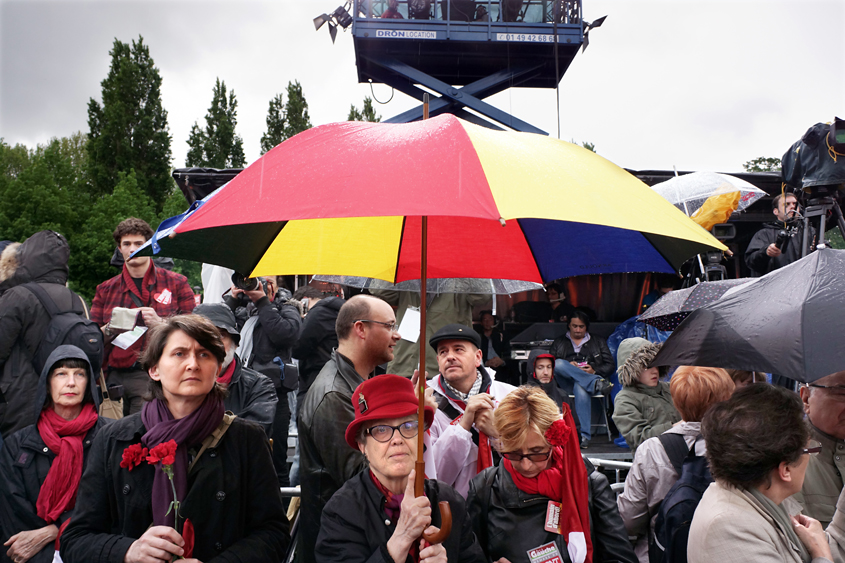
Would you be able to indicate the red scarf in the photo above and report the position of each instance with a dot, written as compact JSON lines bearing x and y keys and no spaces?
{"x":64,"y":438}
{"x":485,"y":453}
{"x":564,"y":481}
{"x":226,"y":377}
{"x":393,"y":508}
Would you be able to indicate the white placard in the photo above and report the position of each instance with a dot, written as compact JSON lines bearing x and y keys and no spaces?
{"x":129,"y":338}
{"x":409,"y":328}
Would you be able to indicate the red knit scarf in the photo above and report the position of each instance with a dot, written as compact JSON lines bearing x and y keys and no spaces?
{"x":564,"y":481}
{"x":226,"y":377}
{"x":64,"y":438}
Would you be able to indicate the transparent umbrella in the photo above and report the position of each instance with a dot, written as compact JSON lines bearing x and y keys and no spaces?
{"x":439,"y":285}
{"x":689,"y":192}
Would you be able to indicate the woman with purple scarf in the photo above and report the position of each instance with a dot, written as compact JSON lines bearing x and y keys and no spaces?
{"x":227,"y":507}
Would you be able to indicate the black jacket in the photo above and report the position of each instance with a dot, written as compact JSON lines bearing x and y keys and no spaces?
{"x":275,"y":334}
{"x":25,"y":461}
{"x":42,"y":258}
{"x":555,"y":393}
{"x":761,"y":263}
{"x":326,"y":461}
{"x":316,"y":340}
{"x":355,"y":528}
{"x":508,"y":522}
{"x":233,"y":500}
{"x":252,"y":397}
{"x":595,"y":352}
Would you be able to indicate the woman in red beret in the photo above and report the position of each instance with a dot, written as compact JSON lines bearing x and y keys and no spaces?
{"x":374,"y":517}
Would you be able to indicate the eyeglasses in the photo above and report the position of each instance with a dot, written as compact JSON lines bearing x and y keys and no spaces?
{"x":516,"y":456}
{"x":384,"y":432}
{"x":813,"y":448}
{"x":389,"y":326}
{"x":837,"y":391}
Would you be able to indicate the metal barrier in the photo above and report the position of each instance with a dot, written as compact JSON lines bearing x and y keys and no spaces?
{"x":616,"y":466}
{"x":288,"y":492}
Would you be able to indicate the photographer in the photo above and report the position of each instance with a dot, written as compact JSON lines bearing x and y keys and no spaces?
{"x":269,"y":328}
{"x":763,"y":254}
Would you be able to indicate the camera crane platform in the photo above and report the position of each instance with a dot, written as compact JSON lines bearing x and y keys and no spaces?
{"x":462,"y":50}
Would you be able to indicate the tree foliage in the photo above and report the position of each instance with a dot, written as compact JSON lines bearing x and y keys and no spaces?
{"x":367,"y":113}
{"x":762,"y":164}
{"x":297,"y":119}
{"x":275,"y":133}
{"x":129,"y":130}
{"x":217,"y":145}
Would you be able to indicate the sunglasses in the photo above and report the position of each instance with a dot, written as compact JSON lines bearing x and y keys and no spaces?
{"x":538,"y":457}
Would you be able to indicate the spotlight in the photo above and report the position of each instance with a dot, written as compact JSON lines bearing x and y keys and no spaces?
{"x":320,"y":20}
{"x":340,"y":17}
{"x":587,"y":27}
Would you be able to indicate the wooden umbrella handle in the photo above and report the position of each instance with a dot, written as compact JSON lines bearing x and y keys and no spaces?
{"x":445,"y":525}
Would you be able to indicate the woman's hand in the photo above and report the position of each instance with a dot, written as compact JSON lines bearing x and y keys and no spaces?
{"x":432,"y":553}
{"x":159,"y":543}
{"x":24,"y":545}
{"x":414,"y":517}
{"x":812,"y":535}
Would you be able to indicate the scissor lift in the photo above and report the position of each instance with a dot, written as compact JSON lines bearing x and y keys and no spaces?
{"x":464,"y":56}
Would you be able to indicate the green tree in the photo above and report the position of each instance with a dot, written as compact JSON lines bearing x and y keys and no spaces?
{"x":217,"y":146}
{"x":275,"y":124}
{"x":367,"y":113}
{"x":297,"y":119}
{"x":762,"y":164}
{"x":91,"y":247}
{"x":129,"y":130}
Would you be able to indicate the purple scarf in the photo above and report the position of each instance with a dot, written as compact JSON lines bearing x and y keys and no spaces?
{"x":188,"y":432}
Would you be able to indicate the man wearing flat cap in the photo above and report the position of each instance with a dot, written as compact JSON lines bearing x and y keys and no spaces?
{"x":466,"y":396}
{"x":252,"y":395}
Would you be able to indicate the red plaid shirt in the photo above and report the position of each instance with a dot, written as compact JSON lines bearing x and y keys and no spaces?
{"x":168,"y":293}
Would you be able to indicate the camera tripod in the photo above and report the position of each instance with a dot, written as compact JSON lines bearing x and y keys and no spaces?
{"x":819,"y":206}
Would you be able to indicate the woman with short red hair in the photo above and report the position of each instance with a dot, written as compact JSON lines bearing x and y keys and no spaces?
{"x":694,"y":390}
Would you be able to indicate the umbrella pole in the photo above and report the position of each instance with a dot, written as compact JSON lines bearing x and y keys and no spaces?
{"x":419,"y":478}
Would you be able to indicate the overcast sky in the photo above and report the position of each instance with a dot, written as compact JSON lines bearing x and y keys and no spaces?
{"x":700,"y":85}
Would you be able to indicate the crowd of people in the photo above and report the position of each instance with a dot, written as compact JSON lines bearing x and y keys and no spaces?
{"x":190,"y":464}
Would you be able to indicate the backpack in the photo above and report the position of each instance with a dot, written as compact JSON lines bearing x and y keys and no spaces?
{"x":671,"y":529}
{"x":67,"y":327}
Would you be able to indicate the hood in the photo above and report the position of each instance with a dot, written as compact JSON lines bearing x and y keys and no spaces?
{"x":43,"y":258}
{"x":331,"y":302}
{"x":532,"y":357}
{"x":60,"y":353}
{"x":8,"y":263}
{"x":635,"y":355}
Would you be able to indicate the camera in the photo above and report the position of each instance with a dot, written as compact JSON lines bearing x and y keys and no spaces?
{"x":783,"y":238}
{"x":248,"y":284}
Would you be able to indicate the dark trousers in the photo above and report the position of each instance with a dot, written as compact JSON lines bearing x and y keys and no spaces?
{"x":136,"y":384}
{"x":281,"y":426}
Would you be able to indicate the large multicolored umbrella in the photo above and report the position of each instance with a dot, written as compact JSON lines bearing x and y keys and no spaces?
{"x":348,"y":198}
{"x":670,"y":310}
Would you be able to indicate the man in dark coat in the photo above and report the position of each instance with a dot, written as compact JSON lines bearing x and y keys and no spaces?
{"x":762,"y":255}
{"x":366,"y":332}
{"x":269,"y":326}
{"x":251,"y":394}
{"x":42,"y":258}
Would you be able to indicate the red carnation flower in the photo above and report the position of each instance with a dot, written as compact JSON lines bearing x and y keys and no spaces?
{"x":558,"y":433}
{"x":164,"y":453}
{"x":188,"y":536}
{"x":133,"y":456}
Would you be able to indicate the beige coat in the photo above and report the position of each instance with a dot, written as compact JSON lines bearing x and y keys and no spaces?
{"x":730,"y":527}
{"x":823,"y":481}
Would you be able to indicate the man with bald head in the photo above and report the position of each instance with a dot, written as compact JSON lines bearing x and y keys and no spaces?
{"x":366,"y":334}
{"x":824,"y":403}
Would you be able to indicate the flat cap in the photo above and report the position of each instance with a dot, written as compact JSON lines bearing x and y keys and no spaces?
{"x":455,"y":331}
{"x":220,"y":316}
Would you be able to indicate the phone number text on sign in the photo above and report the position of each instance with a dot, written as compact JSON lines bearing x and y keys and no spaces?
{"x":525,"y":37}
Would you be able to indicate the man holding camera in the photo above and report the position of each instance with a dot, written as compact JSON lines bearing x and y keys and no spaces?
{"x":779,"y":243}
{"x":269,"y":328}
{"x":148,"y":292}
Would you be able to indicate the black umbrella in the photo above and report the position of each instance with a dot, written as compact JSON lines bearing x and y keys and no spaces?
{"x":667,"y":312}
{"x":789,"y":322}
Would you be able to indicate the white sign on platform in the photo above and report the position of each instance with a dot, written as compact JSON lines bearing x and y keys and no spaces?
{"x":525,"y":37}
{"x":400,"y":34}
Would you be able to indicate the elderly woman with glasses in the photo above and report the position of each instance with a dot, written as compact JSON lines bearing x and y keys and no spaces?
{"x":758,"y":447}
{"x":375,"y":517}
{"x":543,"y":497}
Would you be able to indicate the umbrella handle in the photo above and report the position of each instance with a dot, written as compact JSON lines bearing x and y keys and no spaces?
{"x":445,"y":525}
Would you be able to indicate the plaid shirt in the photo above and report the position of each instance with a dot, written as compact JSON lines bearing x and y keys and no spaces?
{"x":168,"y":293}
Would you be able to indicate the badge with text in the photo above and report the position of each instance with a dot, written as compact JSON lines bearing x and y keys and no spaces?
{"x":164,"y":297}
{"x":546,"y":553}
{"x":553,"y":517}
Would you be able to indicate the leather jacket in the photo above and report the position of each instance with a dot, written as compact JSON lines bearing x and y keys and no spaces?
{"x":595,"y":352}
{"x":326,"y":461}
{"x":508,"y":522}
